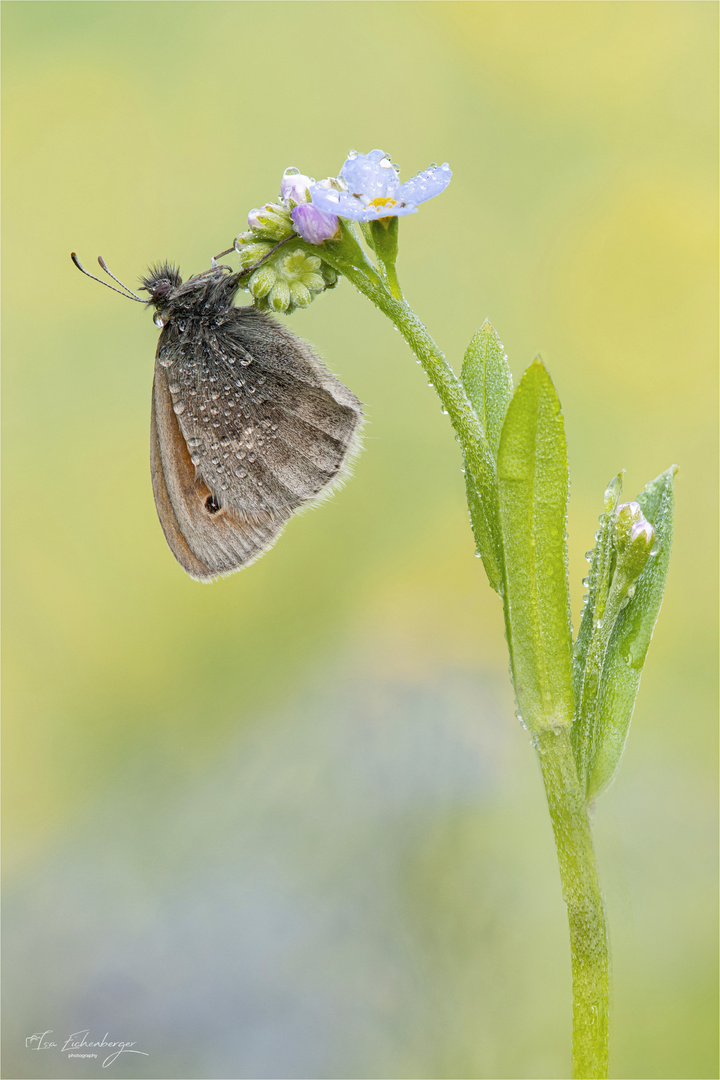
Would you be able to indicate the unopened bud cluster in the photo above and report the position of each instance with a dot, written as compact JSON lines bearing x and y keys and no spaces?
{"x":290,"y":280}
{"x":285,"y":279}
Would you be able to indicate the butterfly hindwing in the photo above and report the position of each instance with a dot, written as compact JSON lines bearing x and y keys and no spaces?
{"x":206,"y":538}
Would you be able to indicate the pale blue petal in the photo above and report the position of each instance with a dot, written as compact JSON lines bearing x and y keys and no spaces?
{"x":371,"y":175}
{"x":356,"y":207}
{"x":426,"y":185}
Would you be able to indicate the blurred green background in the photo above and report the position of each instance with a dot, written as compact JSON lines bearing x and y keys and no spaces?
{"x":287,"y":824}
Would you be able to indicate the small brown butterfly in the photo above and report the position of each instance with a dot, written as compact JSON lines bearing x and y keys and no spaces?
{"x":248,"y":426}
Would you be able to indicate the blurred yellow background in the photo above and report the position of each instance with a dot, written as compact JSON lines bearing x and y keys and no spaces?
{"x":287,"y":824}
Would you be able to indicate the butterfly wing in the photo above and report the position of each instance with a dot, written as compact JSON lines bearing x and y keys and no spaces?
{"x":249,"y":427}
{"x":207,"y":539}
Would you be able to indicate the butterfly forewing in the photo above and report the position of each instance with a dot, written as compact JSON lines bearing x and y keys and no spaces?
{"x":266,"y":425}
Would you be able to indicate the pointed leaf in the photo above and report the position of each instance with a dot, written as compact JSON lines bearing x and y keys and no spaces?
{"x":488,"y":382}
{"x":599,"y":582}
{"x":533,"y":494}
{"x":631,"y":637}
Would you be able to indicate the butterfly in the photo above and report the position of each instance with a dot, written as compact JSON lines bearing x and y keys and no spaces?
{"x":248,"y":426}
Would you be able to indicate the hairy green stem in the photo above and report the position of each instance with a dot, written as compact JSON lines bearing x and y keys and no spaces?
{"x":581,"y":893}
{"x":470,"y":432}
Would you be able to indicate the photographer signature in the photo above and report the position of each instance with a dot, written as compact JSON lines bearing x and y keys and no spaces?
{"x":79,"y":1044}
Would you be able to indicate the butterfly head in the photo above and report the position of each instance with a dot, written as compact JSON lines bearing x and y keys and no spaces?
{"x":160,"y":281}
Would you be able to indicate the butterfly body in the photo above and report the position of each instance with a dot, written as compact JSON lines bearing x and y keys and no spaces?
{"x":248,"y":425}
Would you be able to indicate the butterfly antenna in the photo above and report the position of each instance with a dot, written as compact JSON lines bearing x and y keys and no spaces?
{"x":107,"y":270}
{"x":128,"y":293}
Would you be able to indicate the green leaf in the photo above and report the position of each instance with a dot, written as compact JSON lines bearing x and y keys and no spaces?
{"x":631,"y":637}
{"x":599,"y":578}
{"x":532,"y":495}
{"x":584,"y":674}
{"x":488,"y":382}
{"x":486,"y":546}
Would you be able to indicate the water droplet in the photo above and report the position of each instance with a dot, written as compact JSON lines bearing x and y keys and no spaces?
{"x":174,"y":387}
{"x":252,"y":458}
{"x":291,"y":171}
{"x":179,"y":407}
{"x":195,"y":458}
{"x":242,"y":473}
{"x":166,"y":358}
{"x":194,"y":443}
{"x":158,"y":320}
{"x":478,"y":555}
{"x":589,"y":556}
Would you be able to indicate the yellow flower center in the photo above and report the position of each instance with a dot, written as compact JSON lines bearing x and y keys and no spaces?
{"x":380,"y":203}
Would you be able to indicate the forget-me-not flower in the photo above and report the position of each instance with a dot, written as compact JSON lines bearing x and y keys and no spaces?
{"x":372,"y":188}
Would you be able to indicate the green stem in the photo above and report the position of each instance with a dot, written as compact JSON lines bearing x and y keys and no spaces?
{"x":449,"y":388}
{"x":392,"y":280}
{"x":471,"y":434}
{"x":581,"y":893}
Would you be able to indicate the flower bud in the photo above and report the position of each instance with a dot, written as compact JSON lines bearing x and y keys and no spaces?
{"x":262,"y":281}
{"x":634,"y":537}
{"x":271,"y":222}
{"x":279,"y":298}
{"x":294,"y":188}
{"x":314,"y":225}
{"x":250,"y":253}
